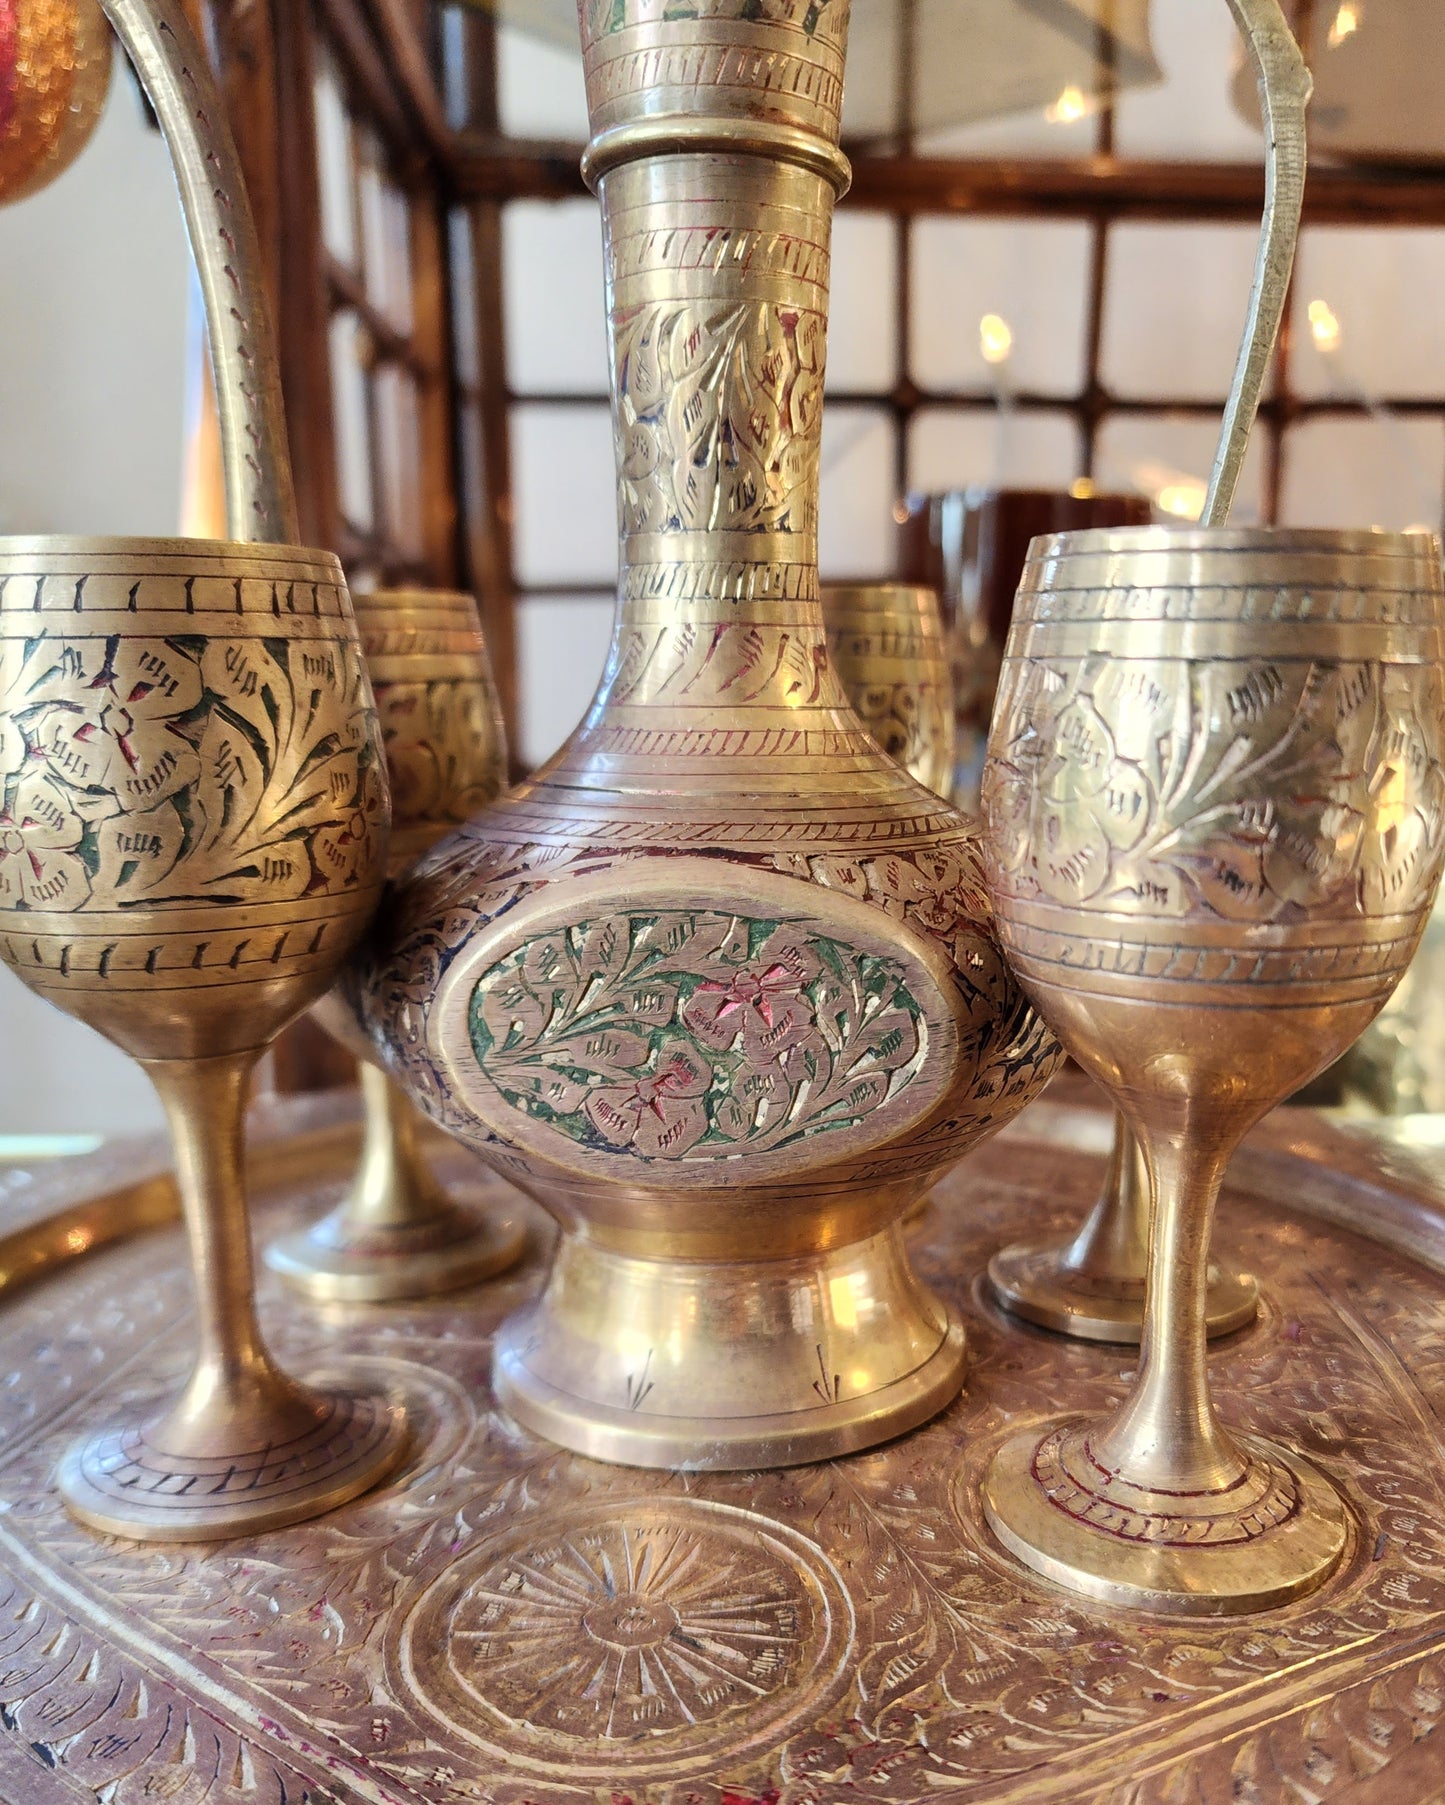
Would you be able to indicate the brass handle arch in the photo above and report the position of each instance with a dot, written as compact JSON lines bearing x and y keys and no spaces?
{"x":1285,"y":86}
{"x":176,"y":74}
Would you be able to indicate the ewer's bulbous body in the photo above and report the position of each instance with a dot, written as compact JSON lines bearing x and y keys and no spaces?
{"x":718,"y":985}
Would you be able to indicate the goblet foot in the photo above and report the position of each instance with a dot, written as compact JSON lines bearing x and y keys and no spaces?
{"x":461,"y":1241}
{"x":174,"y":1479}
{"x":715,"y":1365}
{"x":1273,"y":1535}
{"x":1038,"y":1282}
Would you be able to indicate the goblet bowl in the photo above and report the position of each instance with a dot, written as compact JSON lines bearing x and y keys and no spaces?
{"x":886,"y":644}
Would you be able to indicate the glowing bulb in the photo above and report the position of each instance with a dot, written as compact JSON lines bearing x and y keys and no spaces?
{"x":995,"y":338}
{"x":1083,"y":489}
{"x":1325,"y":325}
{"x":1347,"y":23}
{"x":1184,"y":499}
{"x":1070,"y":107}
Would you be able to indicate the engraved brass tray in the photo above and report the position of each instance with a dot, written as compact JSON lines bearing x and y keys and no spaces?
{"x":508,"y":1624}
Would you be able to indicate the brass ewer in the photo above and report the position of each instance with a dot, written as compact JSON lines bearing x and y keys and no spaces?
{"x":397,"y":1232}
{"x":193,"y":819}
{"x":886,"y":643}
{"x":718,"y":985}
{"x":1215,"y":826}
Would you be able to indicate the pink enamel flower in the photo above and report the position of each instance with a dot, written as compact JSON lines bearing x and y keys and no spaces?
{"x":40,"y":866}
{"x":659,"y":1114}
{"x":763,"y":1011}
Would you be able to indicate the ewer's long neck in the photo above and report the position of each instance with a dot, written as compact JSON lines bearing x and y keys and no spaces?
{"x":715,"y":156}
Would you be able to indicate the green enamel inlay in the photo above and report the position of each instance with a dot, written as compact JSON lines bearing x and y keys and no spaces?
{"x":695,"y":1034}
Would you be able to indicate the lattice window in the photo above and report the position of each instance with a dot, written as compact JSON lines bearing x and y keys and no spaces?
{"x":1105,"y":237}
{"x":386,"y":354}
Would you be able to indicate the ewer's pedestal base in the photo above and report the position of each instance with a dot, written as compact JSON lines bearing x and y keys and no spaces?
{"x":461,"y":1241}
{"x":718,"y":1366}
{"x":1037,"y":1282}
{"x":174,"y":1480}
{"x":1274,"y":1535}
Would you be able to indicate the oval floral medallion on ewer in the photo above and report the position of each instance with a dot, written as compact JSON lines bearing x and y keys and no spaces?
{"x":637,"y":1636}
{"x":691,"y":1035}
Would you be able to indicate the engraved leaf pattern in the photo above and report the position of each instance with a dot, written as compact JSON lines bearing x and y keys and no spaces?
{"x":718,"y":418}
{"x":180,"y":769}
{"x":688,"y":1033}
{"x":1247,"y":790}
{"x":1008,"y":1054}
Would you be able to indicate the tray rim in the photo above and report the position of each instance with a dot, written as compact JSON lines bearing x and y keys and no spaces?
{"x":1370,"y":1176}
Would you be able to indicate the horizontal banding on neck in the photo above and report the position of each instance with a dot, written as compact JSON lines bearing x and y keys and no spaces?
{"x":676,"y":134}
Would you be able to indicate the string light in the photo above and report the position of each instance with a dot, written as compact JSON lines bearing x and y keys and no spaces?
{"x":1185,"y":499}
{"x":1069,"y":108}
{"x":1325,"y":326}
{"x":1347,"y":23}
{"x":995,"y":338}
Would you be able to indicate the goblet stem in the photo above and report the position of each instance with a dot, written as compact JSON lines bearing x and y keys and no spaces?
{"x":394,"y":1185}
{"x":398,"y":1232}
{"x":1158,"y":1505}
{"x":245,"y":1447}
{"x":1094,"y":1286}
{"x":1113,"y":1241}
{"x":234,"y":1377}
{"x":1167,"y":1437}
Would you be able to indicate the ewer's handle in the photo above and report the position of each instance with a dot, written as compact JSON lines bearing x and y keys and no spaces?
{"x":260,"y":502}
{"x":1285,"y":86}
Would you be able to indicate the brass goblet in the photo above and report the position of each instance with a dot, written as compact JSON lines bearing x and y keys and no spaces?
{"x":193,"y":815}
{"x":193,"y":812}
{"x":1215,"y":826}
{"x":887,"y":645}
{"x":397,"y":1232}
{"x":1094,"y":1286}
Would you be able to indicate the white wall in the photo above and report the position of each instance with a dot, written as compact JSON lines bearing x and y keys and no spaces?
{"x":93,"y":274}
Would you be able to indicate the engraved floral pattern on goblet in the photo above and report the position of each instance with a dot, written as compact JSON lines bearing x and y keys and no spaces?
{"x":1216,"y":822}
{"x":397,"y":1231}
{"x":192,"y":827}
{"x":886,"y":641}
{"x":41,"y":835}
{"x":164,"y":772}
